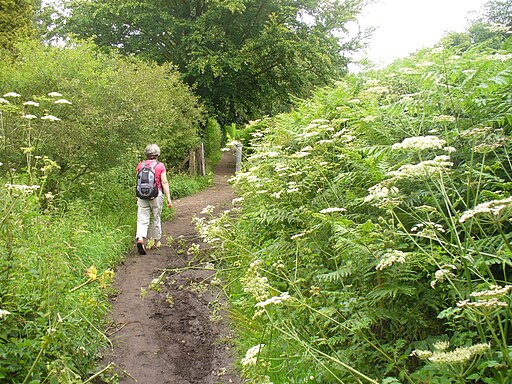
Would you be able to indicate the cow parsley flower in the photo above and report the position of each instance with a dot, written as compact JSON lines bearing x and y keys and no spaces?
{"x":443,"y":274}
{"x":425,"y":168}
{"x":208,"y":209}
{"x":29,"y":117}
{"x":4,"y":313}
{"x":443,"y":119}
{"x":274,"y":300}
{"x":441,"y":345}
{"x":493,"y":291}
{"x":420,"y":143}
{"x":32,"y":103}
{"x":54,"y":94}
{"x":251,"y":356}
{"x":332,"y":209}
{"x":461,"y":355}
{"x":489,"y":303}
{"x":22,"y":188}
{"x":300,"y":154}
{"x":421,"y":354}
{"x":12,"y":94}
{"x":428,"y":229}
{"x":50,"y":117}
{"x":254,"y":283}
{"x":380,"y":191}
{"x":4,"y":101}
{"x":391,"y":257}
{"x":495,"y":209}
{"x":62,"y":101}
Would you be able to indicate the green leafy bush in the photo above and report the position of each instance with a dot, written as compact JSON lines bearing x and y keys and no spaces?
{"x":213,"y":141}
{"x":113,"y":108}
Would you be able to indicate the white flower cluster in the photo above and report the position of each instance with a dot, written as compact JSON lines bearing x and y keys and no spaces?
{"x":478,"y":131}
{"x":441,"y":345}
{"x":379,"y":192}
{"x":379,"y":90}
{"x":32,"y":103}
{"x":255,"y":284}
{"x":332,"y":209}
{"x":499,"y":27}
{"x":499,"y":57}
{"x":22,"y":188}
{"x":251,"y":356}
{"x":4,"y":313}
{"x":420,"y":143}
{"x":425,"y":168}
{"x":12,"y":94}
{"x":210,"y":231}
{"x":493,"y":291}
{"x":194,"y":249}
{"x":443,"y":274}
{"x":494,"y":208}
{"x":274,"y":300}
{"x":62,"y":101}
{"x":237,"y":200}
{"x":428,"y":229}
{"x":391,"y":257}
{"x":50,"y":118}
{"x":489,"y":303}
{"x":300,"y":234}
{"x":443,"y":119}
{"x":487,"y":147}
{"x":461,"y":355}
{"x":208,"y":209}
{"x":487,"y":299}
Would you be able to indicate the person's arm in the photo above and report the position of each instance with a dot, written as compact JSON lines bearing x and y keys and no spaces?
{"x":165,"y":187}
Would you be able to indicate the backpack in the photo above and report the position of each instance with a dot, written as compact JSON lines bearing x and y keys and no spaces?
{"x":146,"y":187}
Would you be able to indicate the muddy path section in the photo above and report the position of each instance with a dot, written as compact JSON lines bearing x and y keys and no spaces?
{"x":173,"y":334}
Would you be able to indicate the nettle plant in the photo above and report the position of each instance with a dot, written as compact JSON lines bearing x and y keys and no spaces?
{"x":373,"y":240}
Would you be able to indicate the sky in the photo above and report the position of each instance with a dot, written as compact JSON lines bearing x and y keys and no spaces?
{"x":404,"y":26}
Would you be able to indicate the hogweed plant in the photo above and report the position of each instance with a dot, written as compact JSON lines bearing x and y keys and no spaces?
{"x":371,"y":238}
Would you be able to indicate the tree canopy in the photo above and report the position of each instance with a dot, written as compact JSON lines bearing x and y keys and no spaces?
{"x":15,"y":21}
{"x":244,"y":57}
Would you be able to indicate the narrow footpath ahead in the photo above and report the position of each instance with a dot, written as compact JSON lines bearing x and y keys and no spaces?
{"x":173,"y":336}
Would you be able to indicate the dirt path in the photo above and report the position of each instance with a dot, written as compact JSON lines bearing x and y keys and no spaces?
{"x":168,"y":337}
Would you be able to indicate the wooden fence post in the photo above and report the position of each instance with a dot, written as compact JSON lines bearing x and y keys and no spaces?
{"x":192,"y":162}
{"x":201,"y":160}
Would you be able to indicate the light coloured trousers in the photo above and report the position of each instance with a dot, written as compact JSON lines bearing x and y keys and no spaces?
{"x":150,"y":211}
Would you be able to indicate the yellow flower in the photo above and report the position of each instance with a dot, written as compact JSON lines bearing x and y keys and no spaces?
{"x":92,"y":272}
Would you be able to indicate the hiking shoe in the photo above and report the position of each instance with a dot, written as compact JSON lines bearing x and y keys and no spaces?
{"x":140,"y":247}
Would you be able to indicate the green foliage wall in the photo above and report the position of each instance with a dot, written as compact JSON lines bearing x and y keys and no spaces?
{"x":371,"y":241}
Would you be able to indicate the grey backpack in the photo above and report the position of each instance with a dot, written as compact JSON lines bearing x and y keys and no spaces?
{"x":146,"y":187}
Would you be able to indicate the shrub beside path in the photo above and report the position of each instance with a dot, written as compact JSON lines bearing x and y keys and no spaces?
{"x":168,"y":337}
